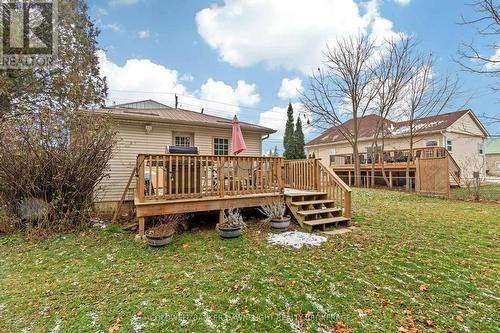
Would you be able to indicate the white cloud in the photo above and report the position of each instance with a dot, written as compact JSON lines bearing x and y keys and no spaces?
{"x":212,"y":91}
{"x":140,"y":79}
{"x":139,"y":75}
{"x":143,"y":34}
{"x":112,"y":26}
{"x":494,"y":63}
{"x":276,"y":117}
{"x":290,"y":88}
{"x":187,"y":77}
{"x":402,"y":2}
{"x":283,"y":33}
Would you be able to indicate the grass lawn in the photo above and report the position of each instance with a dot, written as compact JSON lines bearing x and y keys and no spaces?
{"x":488,"y":192}
{"x":413,"y":262}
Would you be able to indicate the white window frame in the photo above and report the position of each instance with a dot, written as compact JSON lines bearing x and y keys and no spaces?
{"x":449,"y":145}
{"x":218,"y":144}
{"x":497,"y":165}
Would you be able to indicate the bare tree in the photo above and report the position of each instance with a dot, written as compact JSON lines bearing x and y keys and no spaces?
{"x":346,"y":88}
{"x":427,"y":94}
{"x":487,"y":25}
{"x":394,"y":72}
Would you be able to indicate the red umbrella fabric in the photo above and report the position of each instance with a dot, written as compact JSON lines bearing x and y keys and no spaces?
{"x":237,"y":138}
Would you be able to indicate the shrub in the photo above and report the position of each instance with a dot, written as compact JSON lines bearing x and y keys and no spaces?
{"x":50,"y":166}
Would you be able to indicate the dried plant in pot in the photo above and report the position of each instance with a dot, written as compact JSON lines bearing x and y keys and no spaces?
{"x":275,"y":212}
{"x":163,"y":232}
{"x":232,"y":226}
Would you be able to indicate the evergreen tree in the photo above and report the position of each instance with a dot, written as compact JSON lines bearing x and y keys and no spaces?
{"x":288,"y":139}
{"x":275,"y":153}
{"x":299,"y":142}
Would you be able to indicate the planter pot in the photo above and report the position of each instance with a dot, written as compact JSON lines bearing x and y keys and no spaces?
{"x":228,"y":233}
{"x":281,"y":225}
{"x":157,"y":241}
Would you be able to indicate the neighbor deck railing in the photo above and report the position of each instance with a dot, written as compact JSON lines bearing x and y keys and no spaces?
{"x":388,"y":156}
{"x":176,"y":176}
{"x":313,"y":175}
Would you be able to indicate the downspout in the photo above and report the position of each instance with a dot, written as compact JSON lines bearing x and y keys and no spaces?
{"x":261,"y":140}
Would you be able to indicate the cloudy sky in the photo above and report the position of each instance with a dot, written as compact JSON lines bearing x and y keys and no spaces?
{"x":253,"y":57}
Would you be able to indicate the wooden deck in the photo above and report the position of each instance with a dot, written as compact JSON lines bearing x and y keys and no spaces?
{"x":171,"y":184}
{"x":394,"y":161}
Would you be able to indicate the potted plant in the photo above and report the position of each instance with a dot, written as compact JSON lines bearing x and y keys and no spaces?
{"x":163,"y":232}
{"x":275,"y":213}
{"x":232,"y":226}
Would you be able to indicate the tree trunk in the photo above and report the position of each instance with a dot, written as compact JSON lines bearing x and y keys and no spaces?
{"x":408,"y":159}
{"x":357,"y":166}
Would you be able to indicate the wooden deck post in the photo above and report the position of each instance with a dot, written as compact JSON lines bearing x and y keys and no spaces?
{"x":390,"y":179}
{"x":347,"y":204}
{"x":349,"y":178}
{"x":141,"y":226}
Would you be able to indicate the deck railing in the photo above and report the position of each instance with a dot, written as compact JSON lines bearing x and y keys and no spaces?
{"x":176,"y":176}
{"x":313,"y":175}
{"x":388,"y":156}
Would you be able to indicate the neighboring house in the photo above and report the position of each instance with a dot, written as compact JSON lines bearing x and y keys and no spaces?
{"x":148,"y":127}
{"x":460,"y":133}
{"x":492,"y":156}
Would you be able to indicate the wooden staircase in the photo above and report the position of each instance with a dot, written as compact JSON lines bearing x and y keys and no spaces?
{"x":322,"y":200}
{"x":314,"y":210}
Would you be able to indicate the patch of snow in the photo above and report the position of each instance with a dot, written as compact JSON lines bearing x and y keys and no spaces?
{"x":110,"y":257}
{"x":198,"y":302}
{"x":234,"y":301}
{"x":208,"y":320}
{"x":98,"y":223}
{"x":137,"y":326}
{"x":2,"y":307}
{"x":295,"y":328}
{"x":56,"y":328}
{"x":184,"y":323}
{"x":188,"y":274}
{"x":39,"y":261}
{"x":295,"y":239}
{"x":93,"y":316}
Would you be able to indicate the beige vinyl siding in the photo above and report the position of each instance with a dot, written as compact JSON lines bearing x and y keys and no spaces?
{"x":419,"y":141}
{"x":466,"y":125}
{"x":465,"y":151}
{"x":133,"y":140}
{"x":492,"y":161}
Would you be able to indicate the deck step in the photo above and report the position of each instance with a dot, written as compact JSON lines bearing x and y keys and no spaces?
{"x":312,"y":202}
{"x":319,"y":211}
{"x":328,"y":220}
{"x":304,"y":194}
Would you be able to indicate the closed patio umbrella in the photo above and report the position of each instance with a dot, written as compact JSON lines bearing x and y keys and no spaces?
{"x":238,"y":143}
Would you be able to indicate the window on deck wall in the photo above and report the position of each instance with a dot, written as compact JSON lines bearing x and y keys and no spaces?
{"x":183,"y":141}
{"x":221,"y":146}
{"x":449,"y":145}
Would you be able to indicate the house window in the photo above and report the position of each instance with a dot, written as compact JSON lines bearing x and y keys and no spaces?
{"x":183,"y":141}
{"x":431,"y":143}
{"x":480,"y":149}
{"x":221,"y":146}
{"x":449,"y":145}
{"x":497,"y":165}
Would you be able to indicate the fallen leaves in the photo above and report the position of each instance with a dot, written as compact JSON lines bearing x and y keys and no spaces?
{"x":363,"y":313}
{"x":459,"y":318}
{"x":424,"y":287}
{"x":116,"y":326}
